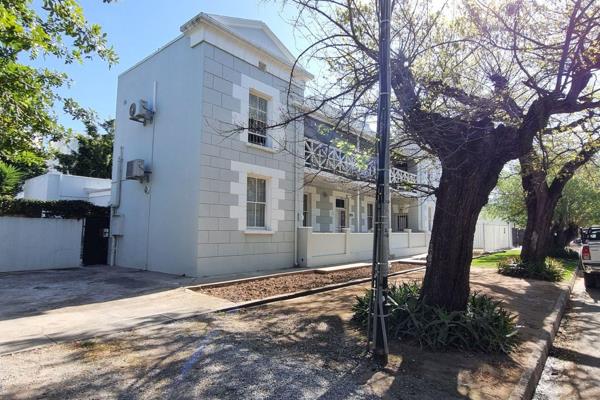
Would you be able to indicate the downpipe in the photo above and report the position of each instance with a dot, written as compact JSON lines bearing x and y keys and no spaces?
{"x":114,"y":207}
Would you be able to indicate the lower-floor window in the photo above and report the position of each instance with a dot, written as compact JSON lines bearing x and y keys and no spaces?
{"x":369,"y":216}
{"x":401,"y":222}
{"x":340,"y":211}
{"x":256,"y":202}
{"x":306,"y":210}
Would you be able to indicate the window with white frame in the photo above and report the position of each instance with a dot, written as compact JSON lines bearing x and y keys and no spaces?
{"x":306,"y":210}
{"x":256,"y":203}
{"x":257,"y":120}
{"x":369,"y":216}
{"x":340,"y":214}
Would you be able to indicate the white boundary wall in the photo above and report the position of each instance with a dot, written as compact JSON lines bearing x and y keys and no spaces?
{"x":492,"y":235}
{"x":39,"y":243}
{"x":318,"y":249}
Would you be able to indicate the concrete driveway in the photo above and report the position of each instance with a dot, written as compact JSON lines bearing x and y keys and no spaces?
{"x":42,"y":307}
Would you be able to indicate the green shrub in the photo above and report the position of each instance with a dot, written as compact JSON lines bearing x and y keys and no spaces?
{"x":563,"y":252}
{"x":10,"y":178}
{"x":70,"y":209}
{"x":485,"y":326}
{"x":551,"y":270}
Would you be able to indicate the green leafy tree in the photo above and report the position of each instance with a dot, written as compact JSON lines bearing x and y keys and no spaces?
{"x":93,"y":156}
{"x":473,"y":83}
{"x":10,"y":178}
{"x":507,"y":201}
{"x":546,"y":171}
{"x":54,"y":28}
{"x":578,"y":206}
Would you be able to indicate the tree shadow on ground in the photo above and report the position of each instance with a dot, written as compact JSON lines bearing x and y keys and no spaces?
{"x":303,"y":348}
{"x":573,"y":367}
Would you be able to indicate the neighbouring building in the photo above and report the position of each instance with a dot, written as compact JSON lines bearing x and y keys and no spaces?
{"x":58,"y":186}
{"x":194,"y":195}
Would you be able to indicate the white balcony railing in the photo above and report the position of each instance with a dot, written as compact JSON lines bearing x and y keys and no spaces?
{"x":324,"y":157}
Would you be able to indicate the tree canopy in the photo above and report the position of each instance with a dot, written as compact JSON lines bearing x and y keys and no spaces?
{"x":579,"y":204}
{"x":54,"y":28}
{"x":93,"y":156}
{"x":473,"y":81}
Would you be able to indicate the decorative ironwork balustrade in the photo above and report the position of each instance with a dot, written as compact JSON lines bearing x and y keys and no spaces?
{"x":325,"y":157}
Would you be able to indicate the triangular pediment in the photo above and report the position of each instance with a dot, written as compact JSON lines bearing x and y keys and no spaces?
{"x":256,"y":32}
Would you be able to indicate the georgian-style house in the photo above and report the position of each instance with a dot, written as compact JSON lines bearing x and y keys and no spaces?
{"x":194,"y":195}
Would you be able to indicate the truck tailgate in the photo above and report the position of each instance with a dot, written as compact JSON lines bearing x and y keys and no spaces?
{"x":594,"y":251}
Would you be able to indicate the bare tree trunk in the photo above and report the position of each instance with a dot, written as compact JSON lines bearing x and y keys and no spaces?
{"x":538,"y":236}
{"x":540,"y":202}
{"x":562,"y":235}
{"x":460,"y":197}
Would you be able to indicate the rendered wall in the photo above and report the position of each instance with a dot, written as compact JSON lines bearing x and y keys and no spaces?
{"x":225,"y":245}
{"x":39,"y":243}
{"x":57,"y":186}
{"x":160,"y":223}
{"x":318,"y":249}
{"x":492,"y":235}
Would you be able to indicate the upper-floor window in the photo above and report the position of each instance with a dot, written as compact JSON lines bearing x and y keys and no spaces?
{"x":257,"y":120}
{"x":256,"y":202}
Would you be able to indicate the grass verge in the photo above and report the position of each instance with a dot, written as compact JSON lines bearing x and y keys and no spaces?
{"x":567,"y":265}
{"x":492,"y":260}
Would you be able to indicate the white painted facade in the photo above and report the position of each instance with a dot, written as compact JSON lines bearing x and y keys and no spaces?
{"x":192,"y":215}
{"x":58,"y":186}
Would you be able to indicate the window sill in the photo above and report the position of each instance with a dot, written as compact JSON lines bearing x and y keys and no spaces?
{"x":263,"y":148}
{"x":257,"y":232}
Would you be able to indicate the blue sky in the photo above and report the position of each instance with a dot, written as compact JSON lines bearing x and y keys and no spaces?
{"x":136,"y":28}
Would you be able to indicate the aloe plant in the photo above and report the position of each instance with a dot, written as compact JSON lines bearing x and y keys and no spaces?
{"x":485,"y":326}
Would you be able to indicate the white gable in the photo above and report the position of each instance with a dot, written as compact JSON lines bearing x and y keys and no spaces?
{"x":256,"y":32}
{"x":242,"y":37}
{"x":259,"y":38}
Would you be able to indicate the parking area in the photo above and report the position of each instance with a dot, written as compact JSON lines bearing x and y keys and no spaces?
{"x":42,"y":307}
{"x":35,"y":292}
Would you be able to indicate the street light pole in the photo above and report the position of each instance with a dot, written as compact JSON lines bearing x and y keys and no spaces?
{"x":378,"y":307}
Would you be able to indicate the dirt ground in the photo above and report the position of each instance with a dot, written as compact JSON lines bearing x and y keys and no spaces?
{"x":262,"y":288}
{"x":303,"y":348}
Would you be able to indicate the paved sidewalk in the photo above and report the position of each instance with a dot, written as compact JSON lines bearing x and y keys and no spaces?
{"x":40,"y":308}
{"x":80,"y":322}
{"x":572,"y":370}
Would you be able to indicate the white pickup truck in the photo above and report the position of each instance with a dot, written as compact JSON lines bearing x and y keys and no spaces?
{"x":590,"y":256}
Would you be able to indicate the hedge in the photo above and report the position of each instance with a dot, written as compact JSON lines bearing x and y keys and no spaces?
{"x":68,"y":209}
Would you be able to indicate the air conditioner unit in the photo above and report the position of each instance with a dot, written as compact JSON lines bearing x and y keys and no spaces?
{"x":135,"y":170}
{"x":141,"y":111}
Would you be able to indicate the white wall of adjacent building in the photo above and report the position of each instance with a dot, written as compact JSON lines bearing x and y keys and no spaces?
{"x":57,"y":186}
{"x":492,"y":235}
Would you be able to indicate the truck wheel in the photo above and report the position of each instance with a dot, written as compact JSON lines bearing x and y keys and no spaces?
{"x":589,"y":280}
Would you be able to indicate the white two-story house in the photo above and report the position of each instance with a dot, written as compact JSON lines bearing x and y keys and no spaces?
{"x":193,"y":194}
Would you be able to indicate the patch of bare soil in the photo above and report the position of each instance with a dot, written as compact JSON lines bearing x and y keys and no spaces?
{"x":267,"y":287}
